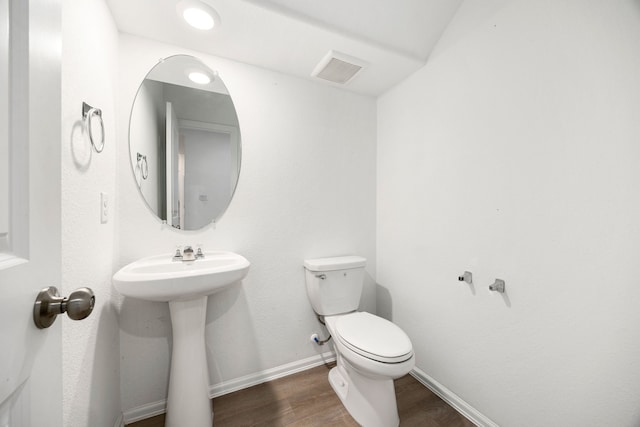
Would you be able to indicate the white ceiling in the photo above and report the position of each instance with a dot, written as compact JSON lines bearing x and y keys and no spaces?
{"x":394,"y":37}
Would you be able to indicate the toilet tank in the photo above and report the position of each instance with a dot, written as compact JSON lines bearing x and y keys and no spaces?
{"x":334,"y":285}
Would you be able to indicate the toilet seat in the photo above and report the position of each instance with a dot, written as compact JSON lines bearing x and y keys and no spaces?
{"x":373,"y":337}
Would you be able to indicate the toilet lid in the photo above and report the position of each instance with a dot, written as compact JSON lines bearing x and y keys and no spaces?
{"x":374,"y":337}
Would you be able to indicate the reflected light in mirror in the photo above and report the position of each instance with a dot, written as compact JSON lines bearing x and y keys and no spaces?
{"x":199,"y":78}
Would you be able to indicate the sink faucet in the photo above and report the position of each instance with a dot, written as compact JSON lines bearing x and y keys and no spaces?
{"x":187,"y":254}
{"x":199,"y":254}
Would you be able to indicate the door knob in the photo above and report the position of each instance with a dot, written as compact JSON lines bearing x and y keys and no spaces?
{"x":49,"y":304}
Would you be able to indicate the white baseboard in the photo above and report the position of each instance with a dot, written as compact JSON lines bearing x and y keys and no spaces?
{"x":270,"y":374}
{"x":452,"y":399}
{"x":119,"y":421}
{"x":156,"y":408}
{"x":143,"y":412}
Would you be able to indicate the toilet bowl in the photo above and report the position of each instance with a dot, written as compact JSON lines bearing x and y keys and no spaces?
{"x":366,"y":366}
{"x":371,"y":351}
{"x":373,"y":345}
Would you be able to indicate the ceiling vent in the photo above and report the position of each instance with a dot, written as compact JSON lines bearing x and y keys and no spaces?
{"x":338,"y":68}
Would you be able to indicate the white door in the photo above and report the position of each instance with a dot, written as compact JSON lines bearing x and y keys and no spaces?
{"x":30,"y":253}
{"x":172,"y":137}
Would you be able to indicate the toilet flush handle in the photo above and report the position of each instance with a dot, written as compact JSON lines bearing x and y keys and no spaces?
{"x":321,"y":276}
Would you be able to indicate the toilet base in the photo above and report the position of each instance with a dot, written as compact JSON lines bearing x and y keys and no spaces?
{"x":371,"y":402}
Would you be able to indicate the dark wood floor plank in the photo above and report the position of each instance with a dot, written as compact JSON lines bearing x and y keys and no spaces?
{"x":306,"y":399}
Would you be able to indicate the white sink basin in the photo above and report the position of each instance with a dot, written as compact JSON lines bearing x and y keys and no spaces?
{"x":159,"y":278}
{"x":185,"y":285}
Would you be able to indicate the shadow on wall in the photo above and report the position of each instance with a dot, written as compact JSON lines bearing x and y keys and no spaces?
{"x":145,"y":319}
{"x":232,"y":345}
{"x":80,"y":146}
{"x":384,"y":303}
{"x":219,"y":304}
{"x":368,"y":301}
{"x":145,"y":348}
{"x":106,"y":366}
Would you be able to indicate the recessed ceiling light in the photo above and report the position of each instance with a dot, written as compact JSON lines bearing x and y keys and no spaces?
{"x":199,"y":78}
{"x":198,"y":18}
{"x":198,"y":14}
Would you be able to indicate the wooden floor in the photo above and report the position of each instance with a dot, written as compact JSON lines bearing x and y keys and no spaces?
{"x":307,"y":399}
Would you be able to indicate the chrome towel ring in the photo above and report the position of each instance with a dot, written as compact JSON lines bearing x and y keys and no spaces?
{"x":88,"y":112}
{"x":143,"y":165}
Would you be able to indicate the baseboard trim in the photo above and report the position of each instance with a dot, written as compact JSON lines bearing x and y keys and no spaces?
{"x":270,"y":374}
{"x":119,"y":421}
{"x":471,"y":413}
{"x":143,"y":412}
{"x":156,"y":408}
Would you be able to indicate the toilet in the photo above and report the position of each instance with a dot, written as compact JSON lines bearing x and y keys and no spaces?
{"x":371,"y":351}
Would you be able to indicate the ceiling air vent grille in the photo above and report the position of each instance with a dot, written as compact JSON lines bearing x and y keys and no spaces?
{"x":338,"y":68}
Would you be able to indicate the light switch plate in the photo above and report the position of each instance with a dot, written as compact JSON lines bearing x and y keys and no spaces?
{"x":104,"y":208}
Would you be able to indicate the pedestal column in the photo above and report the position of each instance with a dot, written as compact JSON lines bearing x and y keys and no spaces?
{"x":188,"y":401}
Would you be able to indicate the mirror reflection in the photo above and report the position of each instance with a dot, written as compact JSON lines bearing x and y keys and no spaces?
{"x":4,"y":126}
{"x":184,"y":143}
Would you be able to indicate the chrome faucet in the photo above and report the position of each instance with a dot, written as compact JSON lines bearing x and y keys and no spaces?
{"x":199,"y":254}
{"x":187,"y":254}
{"x":498,"y":286}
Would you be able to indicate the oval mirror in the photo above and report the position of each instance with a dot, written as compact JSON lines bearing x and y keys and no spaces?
{"x":184,"y":143}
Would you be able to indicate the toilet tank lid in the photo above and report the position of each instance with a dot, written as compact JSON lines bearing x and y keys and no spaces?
{"x":335,"y":263}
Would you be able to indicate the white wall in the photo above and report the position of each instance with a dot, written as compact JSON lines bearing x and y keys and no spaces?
{"x":90,"y":347}
{"x":306,"y":189}
{"x":149,"y":128}
{"x":514,"y":154}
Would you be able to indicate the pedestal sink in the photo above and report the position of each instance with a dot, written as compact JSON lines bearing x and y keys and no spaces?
{"x":185,"y":285}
